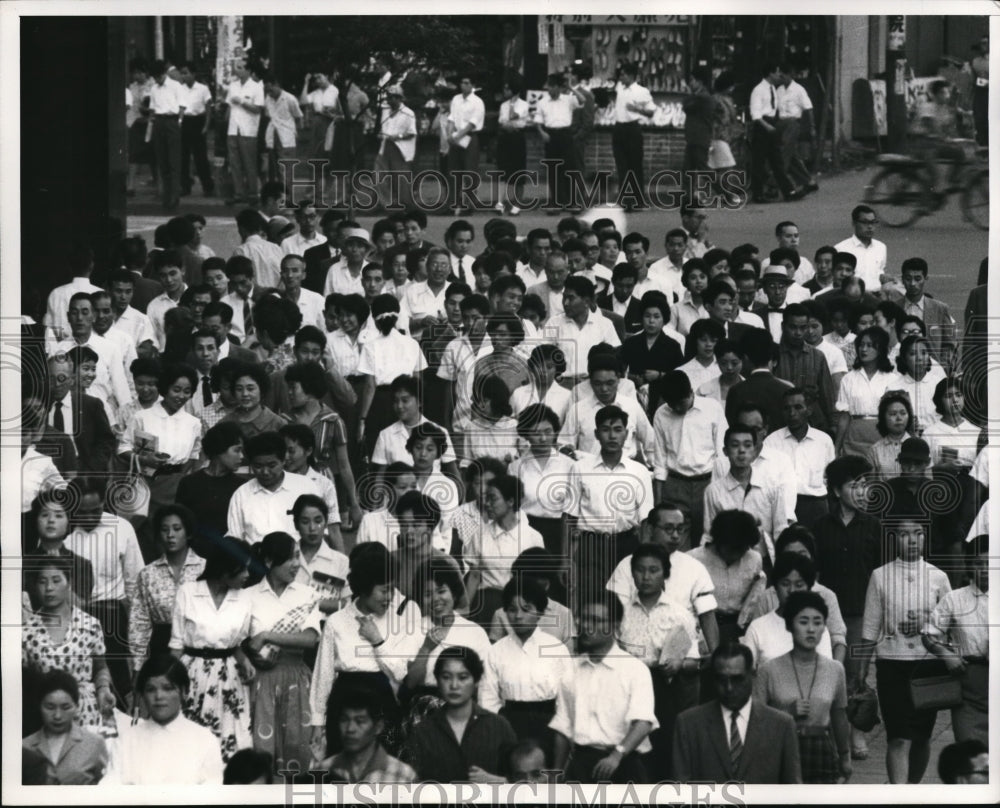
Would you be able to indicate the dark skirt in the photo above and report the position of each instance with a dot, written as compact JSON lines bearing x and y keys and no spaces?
{"x":902,"y":719}
{"x":159,"y":640}
{"x":380,"y":415}
{"x":551,"y":530}
{"x":818,"y":756}
{"x":345,"y":683}
{"x":512,"y":153}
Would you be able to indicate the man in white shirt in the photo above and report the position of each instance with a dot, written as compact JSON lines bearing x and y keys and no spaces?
{"x":284,"y":120}
{"x":266,"y":257}
{"x":554,"y":121}
{"x":665,"y":274}
{"x":246,"y":101}
{"x":264,"y":504}
{"x":308,"y":235}
{"x":578,"y":433}
{"x":167,"y":106}
{"x":458,"y":239}
{"x":605,"y":712}
{"x":81,"y":262}
{"x":344,"y":276}
{"x":110,"y":385}
{"x":766,"y":140}
{"x":795,"y":115}
{"x":632,"y":103}
{"x":128,"y":320}
{"x":787,"y":234}
{"x":551,"y":289}
{"x":104,"y":326}
{"x":688,"y":430}
{"x":580,"y":328}
{"x":539,"y":241}
{"x":870,"y":252}
{"x":293,"y":272}
{"x":197,"y":100}
{"x":397,"y":148}
{"x":467,"y":113}
{"x":809,"y":451}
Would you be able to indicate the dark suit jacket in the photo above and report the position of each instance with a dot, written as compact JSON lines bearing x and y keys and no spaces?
{"x":318,"y":260}
{"x":95,"y":442}
{"x":763,"y":388}
{"x":633,"y":314}
{"x":770,"y":749}
{"x":145,"y":290}
{"x":60,"y":447}
{"x":941,"y":330}
{"x":735,"y":331}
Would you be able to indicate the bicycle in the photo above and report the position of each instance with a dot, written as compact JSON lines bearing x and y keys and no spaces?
{"x":903,"y":188}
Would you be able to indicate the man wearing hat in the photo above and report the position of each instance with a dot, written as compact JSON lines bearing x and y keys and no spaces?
{"x":774,"y":283}
{"x":398,"y":145}
{"x":344,"y":277}
{"x":467,"y":114}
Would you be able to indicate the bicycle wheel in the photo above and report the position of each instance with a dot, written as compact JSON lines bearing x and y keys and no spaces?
{"x":899,"y":196}
{"x":975,"y":200}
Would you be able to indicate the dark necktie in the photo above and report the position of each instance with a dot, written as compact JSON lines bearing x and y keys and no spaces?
{"x":735,"y":743}
{"x":57,"y":417}
{"x":774,"y":100}
{"x":460,"y":270}
{"x":247,"y":318}
{"x":206,"y":391}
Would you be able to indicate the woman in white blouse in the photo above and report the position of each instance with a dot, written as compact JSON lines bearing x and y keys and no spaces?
{"x":900,"y":599}
{"x":284,"y":622}
{"x":438,"y":588}
{"x":952,"y":439}
{"x":729,"y":361}
{"x":523,"y":671}
{"x":492,"y":552}
{"x":383,"y":358}
{"x":167,"y":748}
{"x":545,"y":363}
{"x":164,"y":441}
{"x":917,"y":380}
{"x":211,"y":619}
{"x":368,"y":642}
{"x":861,"y":390}
{"x":345,"y":343}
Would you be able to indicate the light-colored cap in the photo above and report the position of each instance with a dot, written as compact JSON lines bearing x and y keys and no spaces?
{"x":357,"y":232}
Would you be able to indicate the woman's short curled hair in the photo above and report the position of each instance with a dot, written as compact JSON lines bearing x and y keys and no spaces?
{"x":800,"y":601}
{"x":466,"y":655}
{"x":163,"y":665}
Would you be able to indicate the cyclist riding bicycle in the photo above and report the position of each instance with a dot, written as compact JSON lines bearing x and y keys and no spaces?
{"x":932,"y":136}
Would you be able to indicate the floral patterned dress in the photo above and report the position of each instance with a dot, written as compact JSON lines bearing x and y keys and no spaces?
{"x":83,"y":642}
{"x":218,"y":697}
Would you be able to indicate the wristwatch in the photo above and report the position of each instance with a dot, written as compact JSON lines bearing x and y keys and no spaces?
{"x":620,"y":749}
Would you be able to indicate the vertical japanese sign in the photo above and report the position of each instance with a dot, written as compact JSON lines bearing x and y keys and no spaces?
{"x":229,"y":47}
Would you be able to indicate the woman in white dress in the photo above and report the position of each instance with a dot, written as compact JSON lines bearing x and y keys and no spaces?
{"x":211,"y":619}
{"x":861,"y":390}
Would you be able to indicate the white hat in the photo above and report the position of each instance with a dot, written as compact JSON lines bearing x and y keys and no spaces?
{"x":358,"y":233}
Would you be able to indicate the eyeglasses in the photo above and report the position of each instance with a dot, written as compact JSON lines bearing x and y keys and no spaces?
{"x":674,"y":528}
{"x":867,"y":221}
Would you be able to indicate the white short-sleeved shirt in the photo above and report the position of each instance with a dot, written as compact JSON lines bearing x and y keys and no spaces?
{"x":700,"y":375}
{"x":663,"y":633}
{"x":182,"y":753}
{"x":688,"y":444}
{"x":387,"y":356}
{"x":532,"y":670}
{"x":871,"y":260}
{"x":390,"y":446}
{"x":166,"y":98}
{"x":318,"y":99}
{"x":465,"y":110}
{"x":198,"y":624}
{"x":136,"y":325}
{"x":340,"y":280}
{"x":636,"y":94}
{"x":767,"y":638}
{"x":860,"y":395}
{"x":793,"y":100}
{"x":809,"y":457}
{"x":556,"y":113}
{"x":254,"y":511}
{"x":611,"y":499}
{"x":297,"y":244}
{"x":195,"y":99}
{"x":38,"y":473}
{"x":458,"y":364}
{"x":381,"y":526}
{"x":241,"y":121}
{"x":964,"y":439}
{"x":598,"y":705}
{"x":267,"y":607}
{"x":345,"y":353}
{"x":546,"y":493}
{"x":463,"y":632}
{"x":557,"y":399}
{"x":834,"y":357}
{"x":578,"y":429}
{"x":113,"y":550}
{"x":322,"y":573}
{"x":178,"y":435}
{"x":688,"y":583}
{"x":576,"y":342}
{"x":492,"y":550}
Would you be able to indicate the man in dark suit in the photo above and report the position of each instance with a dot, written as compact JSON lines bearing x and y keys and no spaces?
{"x":321,"y":257}
{"x":218,"y":318}
{"x":761,"y":385}
{"x":719,"y":300}
{"x":734,"y":737}
{"x":82,"y":418}
{"x":621,"y":301}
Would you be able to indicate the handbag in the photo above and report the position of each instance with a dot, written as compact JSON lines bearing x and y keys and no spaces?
{"x":862,"y":709}
{"x":129,"y":496}
{"x":934,"y":689}
{"x":720,"y":155}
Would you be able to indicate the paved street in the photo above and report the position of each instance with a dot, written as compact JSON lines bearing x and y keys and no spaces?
{"x":953,"y":250}
{"x":952,"y":247}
